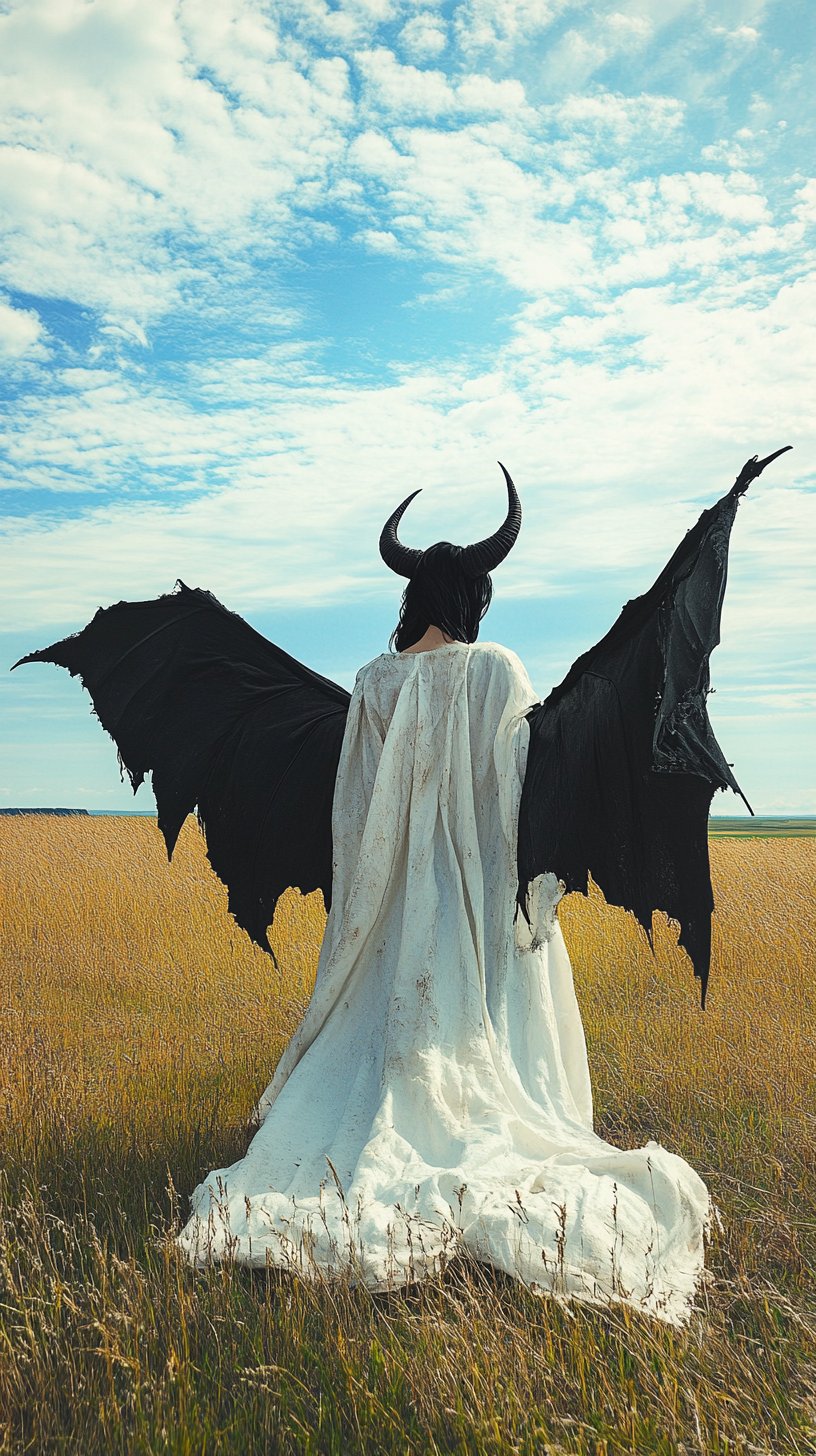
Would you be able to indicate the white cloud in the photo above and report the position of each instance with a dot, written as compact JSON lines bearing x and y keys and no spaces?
{"x":480,"y":208}
{"x":622,"y":119}
{"x":424,"y":37}
{"x":126,"y":328}
{"x":127,"y":125}
{"x":145,"y":150}
{"x":735,"y":198}
{"x":378,"y":241}
{"x":501,"y":25}
{"x":583,"y":49}
{"x":21,"y":333}
{"x":576,"y":58}
{"x":742,"y":33}
{"x":407,"y":92}
{"x":805,"y":207}
{"x":497,"y":195}
{"x":629,"y":30}
{"x":403,"y":89}
{"x":287,"y":476}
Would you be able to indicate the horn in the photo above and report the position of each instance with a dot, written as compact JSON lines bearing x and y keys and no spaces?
{"x":485,"y":555}
{"x":404,"y":560}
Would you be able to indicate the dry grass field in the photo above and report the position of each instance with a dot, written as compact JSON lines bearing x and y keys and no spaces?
{"x":137,"y":1027}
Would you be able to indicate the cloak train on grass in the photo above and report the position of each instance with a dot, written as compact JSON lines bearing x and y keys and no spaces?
{"x":436,"y":1097}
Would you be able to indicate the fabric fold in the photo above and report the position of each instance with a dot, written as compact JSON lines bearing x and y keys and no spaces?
{"x":436,"y":1097}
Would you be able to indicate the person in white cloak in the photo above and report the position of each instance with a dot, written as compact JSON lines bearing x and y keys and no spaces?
{"x":436,"y":1098}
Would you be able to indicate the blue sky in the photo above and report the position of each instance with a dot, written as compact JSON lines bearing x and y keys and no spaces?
{"x":267,"y":267}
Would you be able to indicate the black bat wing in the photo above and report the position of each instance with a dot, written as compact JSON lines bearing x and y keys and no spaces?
{"x":623,"y":762}
{"x":226,"y":723}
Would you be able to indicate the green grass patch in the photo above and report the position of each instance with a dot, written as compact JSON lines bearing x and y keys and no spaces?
{"x":758,"y":828}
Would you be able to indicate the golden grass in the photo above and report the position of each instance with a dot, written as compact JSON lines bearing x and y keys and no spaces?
{"x":137,"y":1028}
{"x":128,"y":992}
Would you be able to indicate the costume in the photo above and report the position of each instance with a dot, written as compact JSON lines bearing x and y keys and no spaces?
{"x":437,"y":1093}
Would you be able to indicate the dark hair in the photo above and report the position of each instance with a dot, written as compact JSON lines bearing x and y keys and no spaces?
{"x":440,"y":594}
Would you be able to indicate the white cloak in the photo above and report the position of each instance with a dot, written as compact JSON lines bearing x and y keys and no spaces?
{"x":436,"y":1096}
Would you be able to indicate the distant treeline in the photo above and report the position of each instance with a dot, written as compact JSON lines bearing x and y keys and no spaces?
{"x":43,"y":811}
{"x":90,"y":813}
{"x":762,"y":827}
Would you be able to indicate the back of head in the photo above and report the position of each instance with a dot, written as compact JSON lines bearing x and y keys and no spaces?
{"x":449,"y":587}
{"x":441,"y":594}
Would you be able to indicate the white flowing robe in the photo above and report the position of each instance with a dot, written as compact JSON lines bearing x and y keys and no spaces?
{"x":436,"y":1095}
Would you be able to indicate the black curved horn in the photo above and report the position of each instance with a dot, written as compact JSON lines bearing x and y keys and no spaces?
{"x":485,"y":555}
{"x":404,"y":560}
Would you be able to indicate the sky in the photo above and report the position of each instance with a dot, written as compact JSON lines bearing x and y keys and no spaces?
{"x":265,"y":268}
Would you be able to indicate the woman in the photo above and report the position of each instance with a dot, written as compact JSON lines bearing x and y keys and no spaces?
{"x":436,"y":1097}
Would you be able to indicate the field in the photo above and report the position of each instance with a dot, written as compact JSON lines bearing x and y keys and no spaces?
{"x":137,"y":1028}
